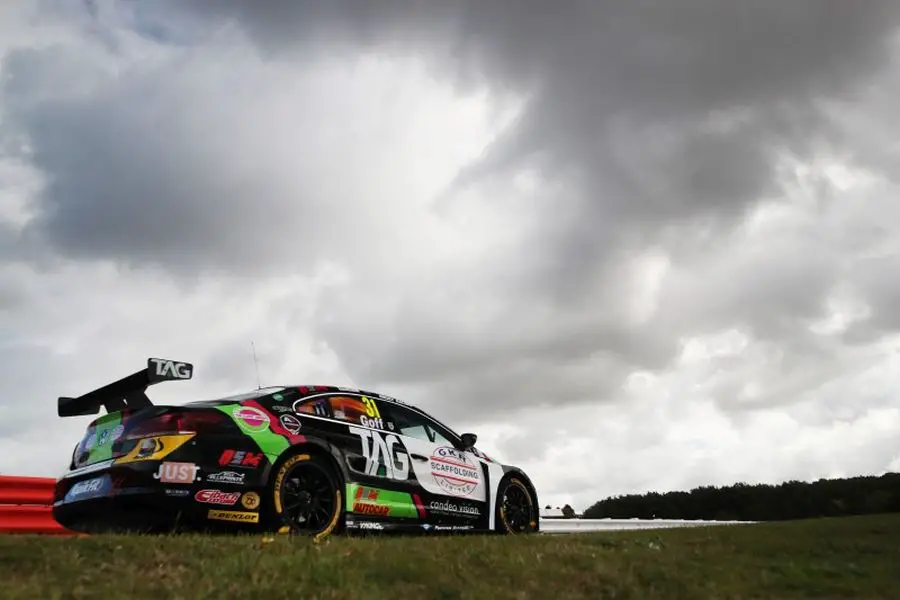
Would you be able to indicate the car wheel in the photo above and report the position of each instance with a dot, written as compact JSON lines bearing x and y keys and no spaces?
{"x":516,"y":508}
{"x":306,"y":497}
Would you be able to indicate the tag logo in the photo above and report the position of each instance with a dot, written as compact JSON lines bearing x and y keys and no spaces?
{"x":177,"y":472}
{"x":382,"y":449}
{"x":170,"y":369}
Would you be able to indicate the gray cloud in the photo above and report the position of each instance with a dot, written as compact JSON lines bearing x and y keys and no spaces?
{"x":660,"y":121}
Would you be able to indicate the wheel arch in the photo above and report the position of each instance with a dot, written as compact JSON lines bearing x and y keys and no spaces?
{"x":510,"y":472}
{"x":313,"y":446}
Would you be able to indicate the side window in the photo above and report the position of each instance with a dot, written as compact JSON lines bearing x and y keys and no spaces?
{"x":412,"y":424}
{"x":317,"y":407}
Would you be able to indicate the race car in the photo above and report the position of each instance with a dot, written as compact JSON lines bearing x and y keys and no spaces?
{"x":302,"y":459}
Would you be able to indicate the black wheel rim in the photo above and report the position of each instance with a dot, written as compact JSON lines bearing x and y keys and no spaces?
{"x":517,"y":508}
{"x":308,"y":498}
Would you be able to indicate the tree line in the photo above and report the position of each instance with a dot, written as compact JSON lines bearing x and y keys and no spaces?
{"x":760,"y":502}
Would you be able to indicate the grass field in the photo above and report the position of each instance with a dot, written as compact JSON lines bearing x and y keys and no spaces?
{"x":855,"y":557}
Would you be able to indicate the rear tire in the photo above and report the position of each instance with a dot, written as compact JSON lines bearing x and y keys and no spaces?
{"x":516,"y":511}
{"x":305,"y":497}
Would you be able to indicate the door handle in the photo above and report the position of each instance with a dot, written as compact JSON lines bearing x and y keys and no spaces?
{"x":418,"y":457}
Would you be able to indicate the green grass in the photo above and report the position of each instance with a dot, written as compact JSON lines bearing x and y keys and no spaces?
{"x":855,"y":557}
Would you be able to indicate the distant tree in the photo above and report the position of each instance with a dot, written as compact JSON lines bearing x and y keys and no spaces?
{"x":760,"y":502}
{"x":568,"y":512}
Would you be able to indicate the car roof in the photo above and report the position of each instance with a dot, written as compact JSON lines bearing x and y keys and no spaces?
{"x":311,"y":390}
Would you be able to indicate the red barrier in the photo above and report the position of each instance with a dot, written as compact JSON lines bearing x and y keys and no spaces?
{"x":25,"y":506}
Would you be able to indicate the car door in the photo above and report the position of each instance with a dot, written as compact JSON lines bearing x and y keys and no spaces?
{"x":376,"y":459}
{"x":448,"y":482}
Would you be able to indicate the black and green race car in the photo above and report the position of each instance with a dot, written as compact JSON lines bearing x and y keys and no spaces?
{"x":306,"y":459}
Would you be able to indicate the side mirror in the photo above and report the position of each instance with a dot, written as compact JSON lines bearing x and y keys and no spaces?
{"x":468,"y":440}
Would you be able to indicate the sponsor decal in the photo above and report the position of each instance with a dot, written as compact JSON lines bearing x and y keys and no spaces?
{"x":380,"y":449}
{"x":366,"y":503}
{"x":453,"y":471}
{"x":369,"y":525}
{"x":217,"y":497}
{"x":370,"y":422}
{"x":250,"y":500}
{"x":251,"y":419}
{"x":451,"y":508}
{"x":108,"y":435}
{"x":172,"y":369}
{"x":177,"y":472}
{"x":234,"y":516}
{"x":453,"y":527}
{"x":282,"y":409}
{"x":376,"y":502}
{"x":90,"y":488}
{"x":291,"y":423}
{"x":240,"y":458}
{"x":232,"y":477}
{"x":177,"y":492}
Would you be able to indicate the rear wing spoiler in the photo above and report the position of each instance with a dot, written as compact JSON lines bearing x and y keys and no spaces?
{"x":128,"y":392}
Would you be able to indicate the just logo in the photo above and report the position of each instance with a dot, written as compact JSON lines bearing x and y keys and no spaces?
{"x":177,"y":472}
{"x":383,"y":449}
{"x":170,"y":369}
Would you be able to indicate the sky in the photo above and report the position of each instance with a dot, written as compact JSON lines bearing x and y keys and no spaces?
{"x":639,"y":246}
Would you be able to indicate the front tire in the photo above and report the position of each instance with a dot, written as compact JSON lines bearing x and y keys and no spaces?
{"x":306,"y":497}
{"x":517,"y":511}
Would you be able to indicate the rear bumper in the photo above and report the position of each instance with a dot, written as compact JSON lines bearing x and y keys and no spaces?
{"x":128,"y":498}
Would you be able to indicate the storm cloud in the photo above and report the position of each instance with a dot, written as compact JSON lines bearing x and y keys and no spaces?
{"x":512,"y":214}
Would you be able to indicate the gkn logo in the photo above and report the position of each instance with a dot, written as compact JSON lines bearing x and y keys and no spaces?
{"x":387,"y":450}
{"x":170,"y":369}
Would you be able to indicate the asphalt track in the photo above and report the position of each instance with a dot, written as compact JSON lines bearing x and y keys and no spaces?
{"x":560,"y":526}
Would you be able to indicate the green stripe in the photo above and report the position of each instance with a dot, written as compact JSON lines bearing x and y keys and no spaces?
{"x":400,"y":504}
{"x":272,"y":444}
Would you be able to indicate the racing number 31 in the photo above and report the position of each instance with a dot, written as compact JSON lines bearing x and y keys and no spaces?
{"x":371,"y":408}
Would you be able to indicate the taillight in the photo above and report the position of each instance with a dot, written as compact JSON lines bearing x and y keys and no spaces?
{"x":178,"y":422}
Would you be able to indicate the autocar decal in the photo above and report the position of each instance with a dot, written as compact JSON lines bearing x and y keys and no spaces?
{"x":374,"y":501}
